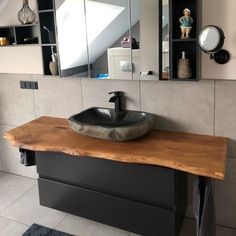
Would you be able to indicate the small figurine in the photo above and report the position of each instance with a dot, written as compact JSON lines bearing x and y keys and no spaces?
{"x":186,"y":24}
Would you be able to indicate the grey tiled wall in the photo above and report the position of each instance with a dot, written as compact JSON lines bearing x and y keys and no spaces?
{"x":206,"y":107}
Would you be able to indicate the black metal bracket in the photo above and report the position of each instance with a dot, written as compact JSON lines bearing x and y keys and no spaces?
{"x":27,"y":157}
{"x":221,"y":57}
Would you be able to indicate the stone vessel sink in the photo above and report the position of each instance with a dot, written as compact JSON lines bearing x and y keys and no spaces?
{"x":105,"y":123}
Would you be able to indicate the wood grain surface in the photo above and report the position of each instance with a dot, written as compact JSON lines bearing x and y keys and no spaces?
{"x":197,"y":154}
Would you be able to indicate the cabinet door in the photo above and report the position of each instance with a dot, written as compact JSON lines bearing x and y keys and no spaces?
{"x":72,"y":34}
{"x":107,"y":25}
{"x":145,"y":29}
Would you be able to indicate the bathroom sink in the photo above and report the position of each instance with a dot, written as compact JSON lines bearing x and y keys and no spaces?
{"x":108,"y":124}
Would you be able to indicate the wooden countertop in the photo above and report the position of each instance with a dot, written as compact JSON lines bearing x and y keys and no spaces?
{"x":197,"y":154}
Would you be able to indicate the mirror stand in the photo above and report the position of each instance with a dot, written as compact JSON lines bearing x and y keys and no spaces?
{"x":221,"y":57}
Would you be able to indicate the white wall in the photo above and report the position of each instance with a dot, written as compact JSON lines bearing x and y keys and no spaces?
{"x":9,"y":10}
{"x":221,"y":13}
{"x":18,"y":59}
{"x":21,"y":59}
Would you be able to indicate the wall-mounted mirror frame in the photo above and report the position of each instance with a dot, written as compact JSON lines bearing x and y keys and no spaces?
{"x":113,"y":58}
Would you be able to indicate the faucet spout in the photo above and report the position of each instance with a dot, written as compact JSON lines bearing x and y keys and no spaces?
{"x":116,"y":99}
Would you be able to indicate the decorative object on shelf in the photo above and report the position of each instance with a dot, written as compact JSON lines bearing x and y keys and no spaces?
{"x":211,"y":41}
{"x":51,"y":35}
{"x":26,"y":15}
{"x":31,"y":40}
{"x":186,"y":24}
{"x":53,"y":65}
{"x":4,"y":41}
{"x":129,"y":42}
{"x":184,"y":68}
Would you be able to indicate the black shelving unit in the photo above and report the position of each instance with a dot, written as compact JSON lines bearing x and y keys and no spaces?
{"x":46,"y":14}
{"x":21,"y":34}
{"x":27,"y":34}
{"x":190,"y":46}
{"x":45,"y":5}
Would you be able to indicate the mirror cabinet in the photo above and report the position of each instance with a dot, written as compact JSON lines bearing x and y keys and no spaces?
{"x":97,"y":42}
{"x":129,"y":39}
{"x":115,"y":39}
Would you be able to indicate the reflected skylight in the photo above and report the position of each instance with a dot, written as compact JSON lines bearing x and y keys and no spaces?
{"x":71,"y":24}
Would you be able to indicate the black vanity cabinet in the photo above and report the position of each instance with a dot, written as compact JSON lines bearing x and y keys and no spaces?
{"x":144,"y":199}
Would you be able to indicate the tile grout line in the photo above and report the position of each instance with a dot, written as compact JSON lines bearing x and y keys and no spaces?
{"x":219,"y":225}
{"x":3,"y":124}
{"x":17,"y":199}
{"x":214,"y":107}
{"x":34,"y":101}
{"x":63,"y":218}
{"x":17,"y":175}
{"x":140,"y":96}
{"x":82,"y":92}
{"x":15,"y":221}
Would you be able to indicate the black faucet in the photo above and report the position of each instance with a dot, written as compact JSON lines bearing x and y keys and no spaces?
{"x":116,"y":99}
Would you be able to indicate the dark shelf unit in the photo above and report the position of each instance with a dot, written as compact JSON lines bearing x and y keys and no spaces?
{"x":30,"y":32}
{"x":47,"y":19}
{"x":21,"y":34}
{"x":46,"y":12}
{"x":45,"y":5}
{"x":190,"y":46}
{"x":47,"y":57}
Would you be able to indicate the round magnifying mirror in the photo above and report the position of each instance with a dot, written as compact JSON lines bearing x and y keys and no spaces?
{"x":211,"y":39}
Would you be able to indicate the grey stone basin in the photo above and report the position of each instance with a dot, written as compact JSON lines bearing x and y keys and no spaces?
{"x":105,"y":123}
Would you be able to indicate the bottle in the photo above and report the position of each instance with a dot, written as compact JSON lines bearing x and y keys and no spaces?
{"x":184,"y":68}
{"x":53,"y":65}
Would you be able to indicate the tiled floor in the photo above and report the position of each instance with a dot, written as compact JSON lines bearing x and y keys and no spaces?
{"x":19,"y":208}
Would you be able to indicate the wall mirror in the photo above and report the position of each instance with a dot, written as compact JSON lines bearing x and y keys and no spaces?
{"x":95,"y":38}
{"x":211,"y":40}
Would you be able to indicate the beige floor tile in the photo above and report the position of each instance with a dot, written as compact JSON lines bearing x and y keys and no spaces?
{"x":11,"y":228}
{"x":12,"y":187}
{"x":83,"y":227}
{"x":28,"y":211}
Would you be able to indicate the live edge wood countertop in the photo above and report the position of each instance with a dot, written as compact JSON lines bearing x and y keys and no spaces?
{"x":197,"y":154}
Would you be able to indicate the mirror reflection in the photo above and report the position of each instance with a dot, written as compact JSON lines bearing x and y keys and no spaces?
{"x":210,"y":39}
{"x":165,"y":39}
{"x":107,"y":26}
{"x":72,"y":43}
{"x":113,"y":39}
